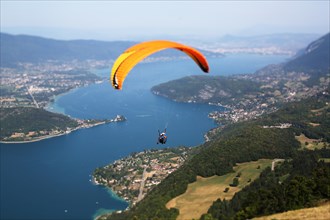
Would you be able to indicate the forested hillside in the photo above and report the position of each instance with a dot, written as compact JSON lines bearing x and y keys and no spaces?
{"x":28,"y":119}
{"x":301,"y":182}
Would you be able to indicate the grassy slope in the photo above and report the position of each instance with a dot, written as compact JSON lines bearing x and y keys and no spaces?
{"x":201,"y":194}
{"x":315,"y":213}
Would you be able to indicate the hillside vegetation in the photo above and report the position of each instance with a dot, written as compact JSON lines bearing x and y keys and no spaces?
{"x":27,"y":119}
{"x":310,"y":117}
{"x":301,"y":182}
{"x":201,"y":194}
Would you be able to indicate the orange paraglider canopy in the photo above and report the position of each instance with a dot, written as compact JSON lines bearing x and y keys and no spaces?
{"x":133,"y":55}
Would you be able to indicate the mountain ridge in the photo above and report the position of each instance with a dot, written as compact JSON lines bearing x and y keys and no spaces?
{"x":26,"y":48}
{"x":33,"y":49}
{"x":309,"y":58}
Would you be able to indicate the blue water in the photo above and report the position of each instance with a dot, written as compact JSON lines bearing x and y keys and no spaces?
{"x":50,"y":179}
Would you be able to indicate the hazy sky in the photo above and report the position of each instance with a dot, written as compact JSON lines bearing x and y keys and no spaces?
{"x":111,"y":20}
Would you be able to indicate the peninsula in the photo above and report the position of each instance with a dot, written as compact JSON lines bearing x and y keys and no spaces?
{"x":28,"y":124}
{"x":134,"y":176}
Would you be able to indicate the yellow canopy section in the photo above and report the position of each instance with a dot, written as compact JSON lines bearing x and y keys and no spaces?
{"x":133,"y":55}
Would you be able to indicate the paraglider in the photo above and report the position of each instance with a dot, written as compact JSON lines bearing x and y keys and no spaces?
{"x":162,"y":137}
{"x":133,"y":55}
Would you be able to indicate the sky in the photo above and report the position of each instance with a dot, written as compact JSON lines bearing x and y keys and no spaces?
{"x":136,"y":20}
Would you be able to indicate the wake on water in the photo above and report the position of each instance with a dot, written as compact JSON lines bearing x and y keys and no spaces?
{"x":143,"y":116}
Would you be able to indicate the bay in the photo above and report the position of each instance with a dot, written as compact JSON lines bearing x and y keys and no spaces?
{"x":51,"y":179}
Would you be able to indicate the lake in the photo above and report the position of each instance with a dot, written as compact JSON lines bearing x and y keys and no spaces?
{"x":51,"y":179}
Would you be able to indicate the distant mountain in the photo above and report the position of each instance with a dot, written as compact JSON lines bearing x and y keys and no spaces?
{"x":314,"y":57}
{"x":287,"y":43}
{"x":23,"y":48}
{"x":285,"y":40}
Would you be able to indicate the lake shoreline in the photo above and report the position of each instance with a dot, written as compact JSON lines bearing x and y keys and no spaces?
{"x":47,"y":136}
{"x":119,"y":118}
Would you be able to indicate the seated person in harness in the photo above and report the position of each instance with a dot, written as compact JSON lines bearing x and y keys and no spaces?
{"x":162,"y":138}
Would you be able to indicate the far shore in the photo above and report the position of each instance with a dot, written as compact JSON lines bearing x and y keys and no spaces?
{"x":40,"y":138}
{"x":33,"y":140}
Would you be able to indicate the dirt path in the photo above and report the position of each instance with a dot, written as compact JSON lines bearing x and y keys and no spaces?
{"x":276,"y":161}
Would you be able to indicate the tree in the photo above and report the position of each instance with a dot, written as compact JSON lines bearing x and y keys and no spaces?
{"x":235,"y":182}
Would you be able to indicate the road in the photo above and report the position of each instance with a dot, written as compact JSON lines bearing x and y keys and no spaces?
{"x":142,"y":185}
{"x":34,"y":101}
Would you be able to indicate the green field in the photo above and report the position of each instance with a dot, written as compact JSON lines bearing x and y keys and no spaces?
{"x":201,"y":194}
